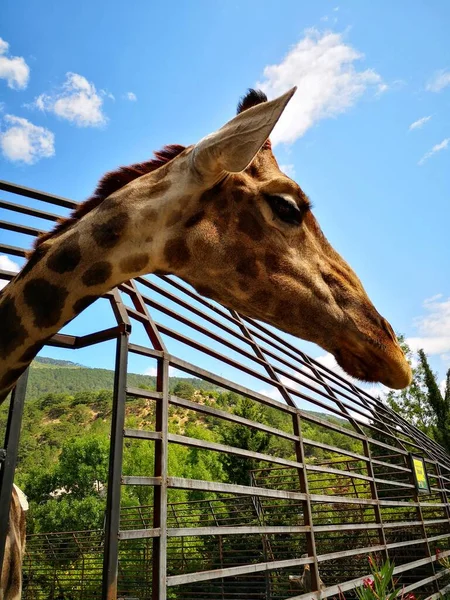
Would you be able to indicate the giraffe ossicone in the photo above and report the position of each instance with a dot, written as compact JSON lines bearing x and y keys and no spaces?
{"x":223,"y":217}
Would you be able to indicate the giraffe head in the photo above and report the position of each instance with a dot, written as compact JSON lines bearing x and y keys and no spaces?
{"x":248,"y":238}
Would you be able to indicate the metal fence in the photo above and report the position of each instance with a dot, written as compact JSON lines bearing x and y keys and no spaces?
{"x":336,"y":485}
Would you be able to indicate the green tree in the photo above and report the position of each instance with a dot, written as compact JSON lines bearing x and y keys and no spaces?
{"x":237,"y":468}
{"x":422,"y":403}
{"x":438,"y":402}
{"x":184,"y":389}
{"x":412,"y":402}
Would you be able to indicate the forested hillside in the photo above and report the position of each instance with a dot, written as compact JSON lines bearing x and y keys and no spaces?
{"x":49,"y":375}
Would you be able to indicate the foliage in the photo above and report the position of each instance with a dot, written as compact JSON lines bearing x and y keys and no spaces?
{"x":48,"y":375}
{"x":422,"y":403}
{"x":235,"y":467}
{"x":381,"y":586}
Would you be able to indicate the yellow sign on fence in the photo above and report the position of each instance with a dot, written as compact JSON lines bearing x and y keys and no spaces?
{"x":420,"y":474}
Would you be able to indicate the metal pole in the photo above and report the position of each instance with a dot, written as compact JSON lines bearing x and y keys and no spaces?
{"x":11,"y":448}
{"x":111,"y":553}
{"x":160,"y":491}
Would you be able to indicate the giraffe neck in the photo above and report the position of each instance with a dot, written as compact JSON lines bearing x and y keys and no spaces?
{"x":127,"y":235}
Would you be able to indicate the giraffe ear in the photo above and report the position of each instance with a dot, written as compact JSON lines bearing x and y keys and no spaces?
{"x":232,"y":148}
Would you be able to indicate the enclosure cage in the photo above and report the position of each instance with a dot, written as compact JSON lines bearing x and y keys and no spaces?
{"x":334,"y":483}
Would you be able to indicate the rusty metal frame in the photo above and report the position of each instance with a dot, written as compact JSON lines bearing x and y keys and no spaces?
{"x":378,"y":474}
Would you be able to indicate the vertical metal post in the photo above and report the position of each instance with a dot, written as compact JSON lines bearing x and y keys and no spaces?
{"x":11,"y":448}
{"x":160,"y":491}
{"x":307,"y":507}
{"x":374,"y":496}
{"x":111,"y":553}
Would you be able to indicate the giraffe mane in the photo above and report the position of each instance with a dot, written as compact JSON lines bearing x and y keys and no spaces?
{"x":110,"y":183}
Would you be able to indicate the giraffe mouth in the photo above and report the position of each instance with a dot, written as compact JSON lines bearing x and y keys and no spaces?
{"x":376,"y":365}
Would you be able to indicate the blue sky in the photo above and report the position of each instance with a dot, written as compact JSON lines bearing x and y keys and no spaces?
{"x":83,"y":90}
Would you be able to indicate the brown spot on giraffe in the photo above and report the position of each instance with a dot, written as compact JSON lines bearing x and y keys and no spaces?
{"x":109,"y":233}
{"x":34,"y":260}
{"x":247,"y":266}
{"x":67,"y":256}
{"x":177,"y":253}
{"x":134,"y":263}
{"x":83,"y":303}
{"x":32,"y":351}
{"x":12,"y":376}
{"x":97,"y":274}
{"x":249,"y":225}
{"x":46,"y":301}
{"x":12,"y":332}
{"x":149,"y":214}
{"x":194,"y":219}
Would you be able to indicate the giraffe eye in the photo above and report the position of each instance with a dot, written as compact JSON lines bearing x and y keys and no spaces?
{"x":286,"y":210}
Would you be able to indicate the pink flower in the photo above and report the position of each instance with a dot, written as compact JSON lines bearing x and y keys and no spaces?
{"x":368,"y":583}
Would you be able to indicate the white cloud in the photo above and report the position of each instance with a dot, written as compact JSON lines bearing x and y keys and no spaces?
{"x":13,"y":68}
{"x":77,"y":101}
{"x":437,"y":148}
{"x":433,"y":327}
{"x":419,"y":123}
{"x":289,"y":170}
{"x":6,"y":264}
{"x":439,"y":81}
{"x":131,"y":96}
{"x":322,"y":67}
{"x":173,"y":372}
{"x":107,"y":94}
{"x":24,"y":142}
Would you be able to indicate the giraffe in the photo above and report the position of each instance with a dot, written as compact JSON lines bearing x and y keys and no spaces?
{"x":11,"y":571}
{"x":222,"y":216}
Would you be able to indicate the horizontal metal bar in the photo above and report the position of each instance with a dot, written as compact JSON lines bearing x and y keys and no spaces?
{"x":7,"y":275}
{"x":228,"y":385}
{"x":138,"y":393}
{"x":333,"y":590}
{"x":347,"y":553}
{"x":243,"y":530}
{"x":236,"y":571}
{"x":336,"y":449}
{"x":323,"y":499}
{"x":139,"y":534}
{"x":346,"y":527}
{"x":194,"y":442}
{"x":406,"y":524}
{"x":229,"y":488}
{"x":36,"y":194}
{"x":222,"y":414}
{"x":13,"y":250}
{"x":136,"y":349}
{"x":62,"y":340}
{"x":137,"y":480}
{"x":20,"y":228}
{"x":26,"y":210}
{"x":142,"y":435}
{"x":341,"y":472}
{"x":97,"y":337}
{"x":422,"y":582}
{"x":439,"y":595}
